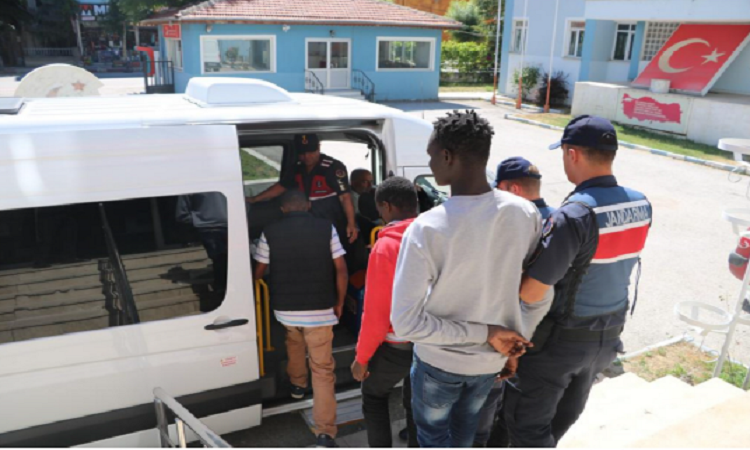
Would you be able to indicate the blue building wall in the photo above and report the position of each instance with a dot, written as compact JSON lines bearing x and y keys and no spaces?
{"x":290,"y":57}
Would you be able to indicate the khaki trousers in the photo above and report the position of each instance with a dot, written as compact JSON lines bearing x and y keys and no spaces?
{"x":317,"y":342}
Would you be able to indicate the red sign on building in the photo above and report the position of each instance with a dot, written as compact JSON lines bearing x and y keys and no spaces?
{"x":695,"y":56}
{"x":171,"y":31}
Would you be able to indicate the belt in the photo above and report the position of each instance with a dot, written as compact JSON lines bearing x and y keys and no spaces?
{"x":400,"y":345}
{"x":584,"y":335}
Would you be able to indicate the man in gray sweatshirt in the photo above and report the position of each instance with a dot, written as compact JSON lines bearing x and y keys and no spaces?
{"x":456,"y":287}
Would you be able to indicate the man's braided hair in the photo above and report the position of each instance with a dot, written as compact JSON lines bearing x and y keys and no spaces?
{"x":465,"y":134}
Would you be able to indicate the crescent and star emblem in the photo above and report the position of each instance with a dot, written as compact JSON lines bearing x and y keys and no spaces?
{"x":665,"y":66}
{"x":304,"y":139}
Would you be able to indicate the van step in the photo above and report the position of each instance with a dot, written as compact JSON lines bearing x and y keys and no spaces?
{"x":347,"y":412}
{"x":299,"y":405}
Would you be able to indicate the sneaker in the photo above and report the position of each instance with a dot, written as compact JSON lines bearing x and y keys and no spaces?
{"x":297,"y":392}
{"x":325,"y":441}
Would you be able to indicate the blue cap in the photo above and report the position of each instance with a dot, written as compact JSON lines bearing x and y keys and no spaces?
{"x":516,"y":167}
{"x":589,"y":131}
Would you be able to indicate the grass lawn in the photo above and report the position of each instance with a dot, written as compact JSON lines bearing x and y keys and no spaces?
{"x":255,"y":169}
{"x":647,"y":138}
{"x":684,"y":361}
{"x":465,"y":87}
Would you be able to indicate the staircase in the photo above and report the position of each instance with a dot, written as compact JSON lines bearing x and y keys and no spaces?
{"x":345,"y":93}
{"x":627,"y":411}
{"x":69,"y":298}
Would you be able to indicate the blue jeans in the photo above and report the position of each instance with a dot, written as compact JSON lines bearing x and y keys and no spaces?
{"x":487,"y":414}
{"x":446,"y":406}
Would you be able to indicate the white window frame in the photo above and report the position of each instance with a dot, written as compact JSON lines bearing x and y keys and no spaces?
{"x":630,"y":41}
{"x":404,"y":39}
{"x":247,"y":37}
{"x":568,"y":30}
{"x":177,"y":65}
{"x":524,"y":34}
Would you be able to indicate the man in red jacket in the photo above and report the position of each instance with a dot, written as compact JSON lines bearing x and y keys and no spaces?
{"x":383,"y":359}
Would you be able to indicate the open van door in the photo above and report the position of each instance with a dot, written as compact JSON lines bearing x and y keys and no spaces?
{"x":125,"y":267}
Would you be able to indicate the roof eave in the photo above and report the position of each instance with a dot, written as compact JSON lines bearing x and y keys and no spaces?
{"x":306,"y":21}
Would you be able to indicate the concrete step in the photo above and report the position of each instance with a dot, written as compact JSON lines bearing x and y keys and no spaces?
{"x":30,"y":275}
{"x":612,"y":389}
{"x":166,"y":271}
{"x":50,"y":286}
{"x":162,"y":258}
{"x":596,"y":423}
{"x":661,"y":413}
{"x":346,"y":93}
{"x":722,"y":426}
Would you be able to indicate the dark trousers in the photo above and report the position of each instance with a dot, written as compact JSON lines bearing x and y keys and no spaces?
{"x":553,"y":387}
{"x":216,"y":243}
{"x":387,"y":367}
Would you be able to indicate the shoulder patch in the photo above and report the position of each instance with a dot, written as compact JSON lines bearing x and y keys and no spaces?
{"x":549,"y":225}
{"x":341,"y":173}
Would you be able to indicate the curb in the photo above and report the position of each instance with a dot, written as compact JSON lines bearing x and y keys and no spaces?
{"x":498,"y":101}
{"x":742,"y":170}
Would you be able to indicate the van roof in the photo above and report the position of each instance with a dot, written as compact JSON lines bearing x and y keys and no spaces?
{"x":133,"y":111}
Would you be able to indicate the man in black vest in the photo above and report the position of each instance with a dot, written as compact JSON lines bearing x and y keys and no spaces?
{"x":306,"y":256}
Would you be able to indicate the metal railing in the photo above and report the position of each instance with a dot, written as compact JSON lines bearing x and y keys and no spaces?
{"x":183,"y":417}
{"x":124,"y":310}
{"x":313,"y":83}
{"x":364,"y":84}
{"x":48,"y":52}
{"x":162,"y":80}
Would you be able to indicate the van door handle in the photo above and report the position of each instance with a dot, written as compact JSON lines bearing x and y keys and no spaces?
{"x":231,"y":323}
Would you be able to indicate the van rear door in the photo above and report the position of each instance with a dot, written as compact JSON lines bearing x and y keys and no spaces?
{"x":85,"y":217}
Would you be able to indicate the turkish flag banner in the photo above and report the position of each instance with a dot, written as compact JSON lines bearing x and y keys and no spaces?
{"x":695,"y":56}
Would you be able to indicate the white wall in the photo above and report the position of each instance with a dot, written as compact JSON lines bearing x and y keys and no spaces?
{"x":570,"y":66}
{"x":736,"y":79}
{"x":617,"y":71}
{"x":670,"y":10}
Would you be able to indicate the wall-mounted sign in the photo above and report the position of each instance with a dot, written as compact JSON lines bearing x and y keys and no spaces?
{"x":695,"y":56}
{"x":666,"y":112}
{"x":171,"y":31}
{"x":93,"y":11}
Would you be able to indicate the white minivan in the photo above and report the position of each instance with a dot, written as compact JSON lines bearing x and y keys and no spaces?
{"x":107,"y":293}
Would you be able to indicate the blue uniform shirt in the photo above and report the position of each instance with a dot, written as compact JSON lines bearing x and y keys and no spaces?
{"x":544,"y":209}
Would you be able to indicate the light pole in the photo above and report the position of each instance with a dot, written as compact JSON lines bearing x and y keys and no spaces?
{"x":551,"y":53}
{"x":524,"y":38}
{"x":497,"y":51}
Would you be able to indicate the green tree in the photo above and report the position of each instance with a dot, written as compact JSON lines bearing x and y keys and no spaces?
{"x":13,"y":16}
{"x":468,"y":13}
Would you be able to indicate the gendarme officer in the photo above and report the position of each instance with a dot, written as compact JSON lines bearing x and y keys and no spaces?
{"x":518,"y":176}
{"x":325,"y":182}
{"x":589,"y":249}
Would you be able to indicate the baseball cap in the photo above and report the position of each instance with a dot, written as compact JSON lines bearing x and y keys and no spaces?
{"x":589,"y":131}
{"x":516,"y":167}
{"x":306,"y":143}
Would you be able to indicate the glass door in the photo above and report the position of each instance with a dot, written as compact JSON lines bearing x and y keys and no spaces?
{"x":328,"y":59}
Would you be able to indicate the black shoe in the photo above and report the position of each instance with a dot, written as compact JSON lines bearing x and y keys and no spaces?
{"x":746,"y":306}
{"x":297,"y":392}
{"x":325,"y":441}
{"x":403,"y":435}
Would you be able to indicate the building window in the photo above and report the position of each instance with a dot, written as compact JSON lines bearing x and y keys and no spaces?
{"x":61,"y":274}
{"x":174,"y":52}
{"x":405,"y":54}
{"x":624,"y":39}
{"x":238,"y":54}
{"x":520,"y":28}
{"x":657,"y":34}
{"x":575,"y":39}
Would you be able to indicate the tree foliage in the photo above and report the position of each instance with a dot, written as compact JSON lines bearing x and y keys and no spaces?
{"x":467,"y":12}
{"x":14,"y":13}
{"x":138,"y":10}
{"x":467,"y":56}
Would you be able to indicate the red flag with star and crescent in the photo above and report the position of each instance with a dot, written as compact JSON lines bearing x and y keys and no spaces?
{"x":695,"y":56}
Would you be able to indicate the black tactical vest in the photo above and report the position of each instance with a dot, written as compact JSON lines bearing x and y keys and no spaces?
{"x":302,"y":271}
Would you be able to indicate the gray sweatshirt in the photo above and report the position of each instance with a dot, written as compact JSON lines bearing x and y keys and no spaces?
{"x":459,"y":270}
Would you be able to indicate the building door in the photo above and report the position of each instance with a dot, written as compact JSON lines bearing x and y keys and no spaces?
{"x":329,"y":60}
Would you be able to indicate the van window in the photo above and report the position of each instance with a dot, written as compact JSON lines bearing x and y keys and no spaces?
{"x":261,"y":167}
{"x":430,"y":194}
{"x":71,"y":268}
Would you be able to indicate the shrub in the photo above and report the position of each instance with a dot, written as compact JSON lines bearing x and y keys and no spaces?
{"x":558,"y":93}
{"x":530,"y":80}
{"x":467,"y":56}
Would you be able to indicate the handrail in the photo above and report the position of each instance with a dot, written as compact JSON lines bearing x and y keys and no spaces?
{"x":374,"y":235}
{"x":121,"y":277}
{"x":267,"y":313}
{"x":366,"y":86}
{"x":183,"y":417}
{"x":259,"y":327}
{"x":312,"y":80}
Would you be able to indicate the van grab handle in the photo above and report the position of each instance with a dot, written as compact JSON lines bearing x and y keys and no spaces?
{"x":231,"y":323}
